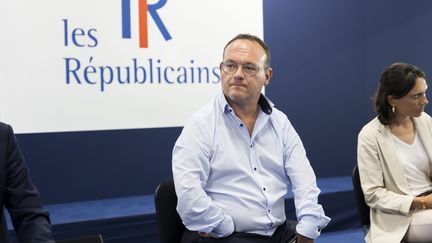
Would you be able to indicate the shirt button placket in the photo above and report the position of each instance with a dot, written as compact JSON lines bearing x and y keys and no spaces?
{"x":254,"y":166}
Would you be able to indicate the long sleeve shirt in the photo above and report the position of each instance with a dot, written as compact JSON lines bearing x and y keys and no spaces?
{"x":227,"y":180}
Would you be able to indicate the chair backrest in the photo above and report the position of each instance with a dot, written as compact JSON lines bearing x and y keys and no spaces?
{"x":170,"y":225}
{"x":84,"y":239}
{"x":362,"y":208}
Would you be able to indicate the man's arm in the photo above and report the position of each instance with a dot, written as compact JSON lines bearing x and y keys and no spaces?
{"x":191,"y":168}
{"x":30,"y":220}
{"x":310,"y":214}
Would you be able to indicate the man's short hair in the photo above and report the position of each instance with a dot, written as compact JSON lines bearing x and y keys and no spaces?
{"x":257,"y":40}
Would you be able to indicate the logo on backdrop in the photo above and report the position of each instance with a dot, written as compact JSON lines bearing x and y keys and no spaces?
{"x":92,"y":71}
{"x":143,"y":9}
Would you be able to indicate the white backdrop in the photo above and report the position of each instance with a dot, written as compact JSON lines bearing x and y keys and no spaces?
{"x":57,"y":58}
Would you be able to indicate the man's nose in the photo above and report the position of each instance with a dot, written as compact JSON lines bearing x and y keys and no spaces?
{"x":239,"y":72}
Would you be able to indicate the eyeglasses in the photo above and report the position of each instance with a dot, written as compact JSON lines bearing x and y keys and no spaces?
{"x":248,"y":69}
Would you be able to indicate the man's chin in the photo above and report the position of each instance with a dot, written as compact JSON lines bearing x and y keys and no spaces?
{"x":236,"y":95}
{"x":239,"y":98}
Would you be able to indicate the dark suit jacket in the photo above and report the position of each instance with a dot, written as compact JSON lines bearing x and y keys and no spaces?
{"x":18,"y":194}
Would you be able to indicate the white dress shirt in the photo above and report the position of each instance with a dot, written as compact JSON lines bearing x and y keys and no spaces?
{"x":227,"y":180}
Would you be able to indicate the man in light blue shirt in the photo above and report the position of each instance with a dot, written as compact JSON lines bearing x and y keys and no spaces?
{"x":236,"y":157}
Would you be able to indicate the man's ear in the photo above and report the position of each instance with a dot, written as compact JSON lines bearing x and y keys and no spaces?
{"x":268,"y":75}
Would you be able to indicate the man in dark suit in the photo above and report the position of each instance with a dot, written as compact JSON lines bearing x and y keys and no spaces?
{"x":19,"y":195}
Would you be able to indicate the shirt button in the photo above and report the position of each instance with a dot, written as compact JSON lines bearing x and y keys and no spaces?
{"x":241,"y":125}
{"x":268,"y":210}
{"x":251,"y":145}
{"x":255,"y":168}
{"x":230,"y":110}
{"x":263,"y":188}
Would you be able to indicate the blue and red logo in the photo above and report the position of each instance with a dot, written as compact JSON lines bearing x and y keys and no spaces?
{"x":143,"y":8}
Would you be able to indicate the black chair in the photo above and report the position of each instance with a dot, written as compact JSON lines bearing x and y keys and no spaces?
{"x":170,"y":225}
{"x":362,"y":208}
{"x":4,"y":233}
{"x":84,"y":239}
{"x":171,"y":228}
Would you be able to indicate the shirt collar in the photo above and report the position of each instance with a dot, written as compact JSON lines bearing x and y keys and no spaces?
{"x":264,"y":103}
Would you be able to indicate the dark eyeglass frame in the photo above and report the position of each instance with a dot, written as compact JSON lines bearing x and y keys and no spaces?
{"x":248,"y":69}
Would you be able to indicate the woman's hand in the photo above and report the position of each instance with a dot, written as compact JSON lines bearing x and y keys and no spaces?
{"x":423,"y":202}
{"x":428,"y":201}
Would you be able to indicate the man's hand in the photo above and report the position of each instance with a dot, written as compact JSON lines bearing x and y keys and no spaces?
{"x":303,"y":239}
{"x":204,"y":235}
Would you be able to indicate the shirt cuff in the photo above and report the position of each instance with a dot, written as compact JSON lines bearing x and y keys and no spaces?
{"x":311,"y":227}
{"x":224,"y":228}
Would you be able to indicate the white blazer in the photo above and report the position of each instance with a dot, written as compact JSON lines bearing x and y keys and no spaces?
{"x":383,"y":180}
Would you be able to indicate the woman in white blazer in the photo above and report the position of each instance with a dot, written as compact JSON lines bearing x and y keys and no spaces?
{"x":394,"y":159}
